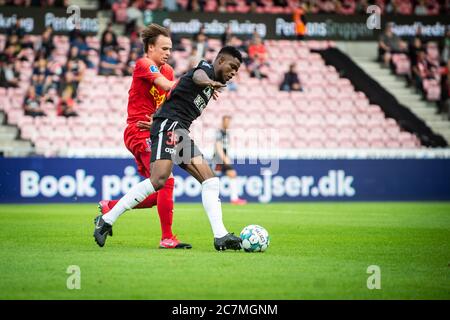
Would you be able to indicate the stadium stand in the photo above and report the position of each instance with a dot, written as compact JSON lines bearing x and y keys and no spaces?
{"x":329,"y":113}
{"x":377,"y":94}
{"x":344,"y":7}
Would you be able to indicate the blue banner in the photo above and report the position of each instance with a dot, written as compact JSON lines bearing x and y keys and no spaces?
{"x":42,"y":180}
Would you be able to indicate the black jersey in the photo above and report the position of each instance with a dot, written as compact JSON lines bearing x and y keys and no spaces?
{"x":186,"y":100}
{"x":223,"y":137}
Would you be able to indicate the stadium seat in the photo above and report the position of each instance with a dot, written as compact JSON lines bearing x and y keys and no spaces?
{"x":329,"y":113}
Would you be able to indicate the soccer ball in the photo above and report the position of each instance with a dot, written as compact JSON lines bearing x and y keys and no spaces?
{"x":255,"y":238}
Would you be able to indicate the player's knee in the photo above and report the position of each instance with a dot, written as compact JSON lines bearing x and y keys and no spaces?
{"x":207,"y":175}
{"x":159,"y":181}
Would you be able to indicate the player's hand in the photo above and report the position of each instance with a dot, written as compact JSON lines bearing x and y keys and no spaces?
{"x":217,"y":85}
{"x":215,"y":94}
{"x":145,"y":125}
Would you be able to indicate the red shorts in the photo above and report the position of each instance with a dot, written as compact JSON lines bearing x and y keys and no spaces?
{"x":138,"y":143}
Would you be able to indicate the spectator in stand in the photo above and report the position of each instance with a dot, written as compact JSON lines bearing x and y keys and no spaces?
{"x":312,"y":7}
{"x":280,"y":3}
{"x":291,"y":82}
{"x":74,"y":34}
{"x":135,"y":16}
{"x":253,"y":5}
{"x":54,"y":3}
{"x":74,"y":71}
{"x":136,"y":44}
{"x":421,"y":9}
{"x":16,"y":29}
{"x":111,"y":35}
{"x":110,"y":64}
{"x":420,"y":35}
{"x":13,"y":42}
{"x":27,"y":42}
{"x":131,"y":63}
{"x":414,"y":47}
{"x":299,"y":21}
{"x":361,"y":7}
{"x":433,"y":7}
{"x":390,"y":7}
{"x":9,"y":54}
{"x":83,"y":49}
{"x":193,"y":59}
{"x":226,"y":36}
{"x":170,"y":5}
{"x":201,"y":43}
{"x":389,"y":44}
{"x":47,"y":45}
{"x":257,"y":50}
{"x":256,"y":2}
{"x":327,"y":6}
{"x":445,"y":55}
{"x":9,"y":77}
{"x":243,"y":49}
{"x":39,"y":75}
{"x":32,"y":104}
{"x":423,"y":69}
{"x":223,"y":4}
{"x":196,"y":5}
{"x":347,"y":7}
{"x":444,"y":101}
{"x":66,"y":104}
{"x":258,"y":57}
{"x":40,"y":67}
{"x":108,"y":42}
{"x":172,"y":62}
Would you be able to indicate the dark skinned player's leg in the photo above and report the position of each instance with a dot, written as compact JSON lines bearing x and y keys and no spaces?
{"x":200,"y":170}
{"x":160,"y":172}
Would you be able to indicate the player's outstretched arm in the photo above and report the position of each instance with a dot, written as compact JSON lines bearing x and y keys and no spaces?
{"x":163,"y":83}
{"x":201,"y":79}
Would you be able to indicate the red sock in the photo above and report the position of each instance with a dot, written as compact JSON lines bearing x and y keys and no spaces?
{"x":148,"y":202}
{"x":165,"y":208}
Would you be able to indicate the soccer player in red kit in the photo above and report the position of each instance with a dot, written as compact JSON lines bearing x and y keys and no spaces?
{"x":152,"y":79}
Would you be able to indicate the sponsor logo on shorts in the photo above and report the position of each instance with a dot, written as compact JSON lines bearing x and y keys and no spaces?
{"x":170,"y":150}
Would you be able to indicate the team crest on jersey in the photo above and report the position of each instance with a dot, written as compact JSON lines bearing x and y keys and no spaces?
{"x":154,"y":69}
{"x":208,"y":92}
{"x":159,"y":98}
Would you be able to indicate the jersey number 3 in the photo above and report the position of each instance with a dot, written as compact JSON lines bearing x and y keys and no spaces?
{"x":172,"y":138}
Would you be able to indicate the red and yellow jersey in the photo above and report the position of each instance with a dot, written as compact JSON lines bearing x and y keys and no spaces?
{"x":144,"y":97}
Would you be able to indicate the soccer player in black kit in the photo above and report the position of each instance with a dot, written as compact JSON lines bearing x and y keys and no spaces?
{"x":222,"y":163}
{"x":170,"y":143}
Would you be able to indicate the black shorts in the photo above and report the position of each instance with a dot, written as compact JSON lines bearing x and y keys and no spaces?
{"x":170,"y":141}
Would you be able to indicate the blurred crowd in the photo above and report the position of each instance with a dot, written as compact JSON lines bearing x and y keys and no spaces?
{"x":54,"y":79}
{"x":127,"y":10}
{"x":427,"y":60}
{"x":35,"y":3}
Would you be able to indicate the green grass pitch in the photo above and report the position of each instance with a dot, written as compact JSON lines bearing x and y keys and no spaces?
{"x":317,"y":251}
